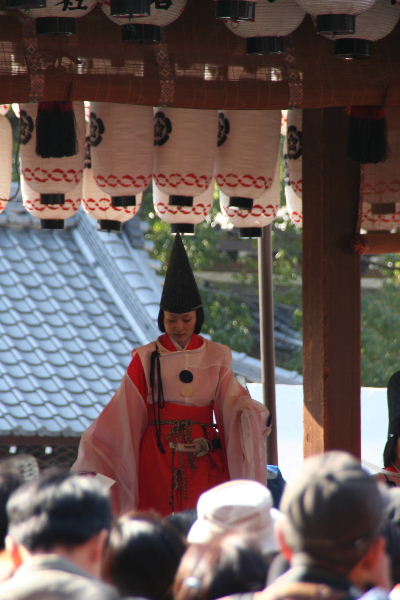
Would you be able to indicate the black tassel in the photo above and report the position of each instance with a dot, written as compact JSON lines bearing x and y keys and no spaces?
{"x":367,"y":140}
{"x":56,"y":130}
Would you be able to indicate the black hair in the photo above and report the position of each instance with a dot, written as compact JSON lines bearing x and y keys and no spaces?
{"x":389,"y":452}
{"x":199,"y":319}
{"x":228,"y":564}
{"x":142,"y":556}
{"x":182,"y":520}
{"x":58,"y":508}
{"x":9,"y":482}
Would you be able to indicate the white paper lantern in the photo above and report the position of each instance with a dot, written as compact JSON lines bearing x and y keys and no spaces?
{"x":183,"y":218}
{"x":372,"y":25}
{"x":4,"y":108}
{"x":185,"y":148}
{"x":122,"y":149}
{"x":273,"y":21}
{"x":335,"y":16}
{"x":98,"y":204}
{"x":6,"y":150}
{"x":58,"y":17}
{"x":145,"y":29}
{"x":264,"y":210}
{"x":52,"y":178}
{"x":248,"y":147}
{"x":375,"y":217}
{"x":52,"y":216}
{"x":236,"y":10}
{"x":293,"y":155}
{"x":380,"y":183}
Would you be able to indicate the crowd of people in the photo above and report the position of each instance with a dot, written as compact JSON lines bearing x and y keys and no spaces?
{"x":335,"y":536}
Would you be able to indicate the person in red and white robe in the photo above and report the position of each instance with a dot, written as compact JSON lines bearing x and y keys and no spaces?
{"x":180,"y":423}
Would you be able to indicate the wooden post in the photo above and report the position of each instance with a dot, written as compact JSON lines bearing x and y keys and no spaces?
{"x":267,"y":342}
{"x":331,"y":286}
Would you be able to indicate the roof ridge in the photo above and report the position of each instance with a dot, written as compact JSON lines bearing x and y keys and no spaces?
{"x":126,"y":297}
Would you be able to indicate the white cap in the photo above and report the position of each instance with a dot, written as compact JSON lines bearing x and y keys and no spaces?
{"x":240,"y":505}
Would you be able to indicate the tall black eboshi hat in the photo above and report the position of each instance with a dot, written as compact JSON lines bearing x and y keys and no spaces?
{"x":393,"y":399}
{"x":180,"y":292}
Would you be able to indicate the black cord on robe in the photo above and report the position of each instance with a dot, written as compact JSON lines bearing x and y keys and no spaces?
{"x":159,"y":402}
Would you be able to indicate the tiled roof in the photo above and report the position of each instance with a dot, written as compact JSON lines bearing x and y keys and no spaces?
{"x":73,"y":305}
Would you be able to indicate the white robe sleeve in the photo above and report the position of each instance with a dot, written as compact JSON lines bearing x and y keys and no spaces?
{"x":244,"y":422}
{"x":110,"y":446}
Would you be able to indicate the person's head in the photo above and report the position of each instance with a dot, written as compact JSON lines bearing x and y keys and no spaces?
{"x":60,"y":512}
{"x":180,"y":296}
{"x":10,"y":480}
{"x":237,"y":506}
{"x":142,"y":556}
{"x":180,"y":326}
{"x":182,"y":520}
{"x":391,"y":530}
{"x":228,"y":564}
{"x":332,"y":513}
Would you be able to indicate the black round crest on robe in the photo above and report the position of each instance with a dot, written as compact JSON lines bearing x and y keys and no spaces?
{"x":186,"y":376}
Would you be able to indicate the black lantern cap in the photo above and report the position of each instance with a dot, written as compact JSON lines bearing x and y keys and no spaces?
{"x":336,"y":24}
{"x":235,"y":10}
{"x":109,"y":225}
{"x":133,"y":8}
{"x":265,"y":45}
{"x":250,"y":232}
{"x":123,"y":201}
{"x":181,"y":201}
{"x":25,"y":4}
{"x":180,"y":292}
{"x":52,"y":223}
{"x":187,"y":228}
{"x":51,"y":199}
{"x":353,"y":48}
{"x":55,"y":26}
{"x":240,"y":202}
{"x":141,"y":33}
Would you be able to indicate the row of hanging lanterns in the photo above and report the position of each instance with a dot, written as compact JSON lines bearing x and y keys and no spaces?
{"x":139,"y":21}
{"x":175,"y":151}
{"x":122,"y":149}
{"x":353,"y":24}
{"x":379,"y":183}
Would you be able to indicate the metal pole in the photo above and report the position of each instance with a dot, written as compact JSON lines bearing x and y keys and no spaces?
{"x":267,"y":345}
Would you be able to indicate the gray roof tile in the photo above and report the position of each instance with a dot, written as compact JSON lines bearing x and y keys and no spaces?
{"x":16,"y":370}
{"x":40,"y":295}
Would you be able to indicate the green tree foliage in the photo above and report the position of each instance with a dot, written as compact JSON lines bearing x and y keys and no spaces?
{"x":381,"y":321}
{"x":380,"y":344}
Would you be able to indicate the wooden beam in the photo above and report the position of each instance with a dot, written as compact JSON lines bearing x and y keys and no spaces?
{"x":377,"y":242}
{"x":331,"y":286}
